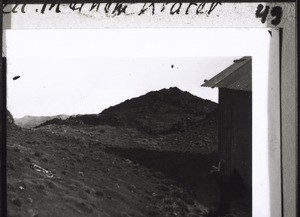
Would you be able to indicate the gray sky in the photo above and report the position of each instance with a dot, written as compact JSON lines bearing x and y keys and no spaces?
{"x":89,"y":85}
{"x":84,"y":71}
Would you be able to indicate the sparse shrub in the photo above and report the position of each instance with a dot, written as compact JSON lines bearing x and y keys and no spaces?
{"x":163,"y":188}
{"x":50,"y":184}
{"x":29,"y":200}
{"x":11,"y":166}
{"x":17,"y":201}
{"x":64,"y":148}
{"x":16,"y":149}
{"x":37,"y":154}
{"x":99,"y":193}
{"x":132,"y":187}
{"x":153,"y":213}
{"x":41,"y":186}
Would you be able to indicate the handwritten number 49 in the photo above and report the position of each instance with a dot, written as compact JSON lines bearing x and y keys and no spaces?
{"x":276,"y":13}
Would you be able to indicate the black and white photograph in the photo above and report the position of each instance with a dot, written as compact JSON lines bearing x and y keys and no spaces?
{"x":143,"y":122}
{"x":134,"y":137}
{"x":129,"y":136}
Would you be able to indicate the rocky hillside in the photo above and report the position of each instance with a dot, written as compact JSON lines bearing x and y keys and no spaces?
{"x":162,"y":111}
{"x":157,"y":112}
{"x":164,"y":101}
{"x":33,"y":121}
{"x":10,"y":120}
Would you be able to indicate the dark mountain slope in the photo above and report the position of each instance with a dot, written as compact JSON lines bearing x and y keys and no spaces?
{"x":157,"y":112}
{"x":165,"y":101}
{"x":162,"y":111}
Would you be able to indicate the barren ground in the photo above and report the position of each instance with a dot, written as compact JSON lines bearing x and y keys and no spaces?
{"x":111,"y":171}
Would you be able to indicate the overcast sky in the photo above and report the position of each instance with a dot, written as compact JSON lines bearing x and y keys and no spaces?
{"x":58,"y":79}
{"x":80,"y":86}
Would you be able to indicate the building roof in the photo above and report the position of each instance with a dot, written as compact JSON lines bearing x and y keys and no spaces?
{"x":238,"y":76}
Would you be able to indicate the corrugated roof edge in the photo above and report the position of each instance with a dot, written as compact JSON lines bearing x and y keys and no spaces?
{"x":226,"y":72}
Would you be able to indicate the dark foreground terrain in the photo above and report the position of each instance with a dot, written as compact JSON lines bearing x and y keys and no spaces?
{"x":133,"y":165}
{"x":88,"y":180}
{"x":104,"y":171}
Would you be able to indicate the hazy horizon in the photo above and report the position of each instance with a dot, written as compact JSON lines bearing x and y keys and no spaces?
{"x":102,"y":109}
{"x":88,"y":86}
